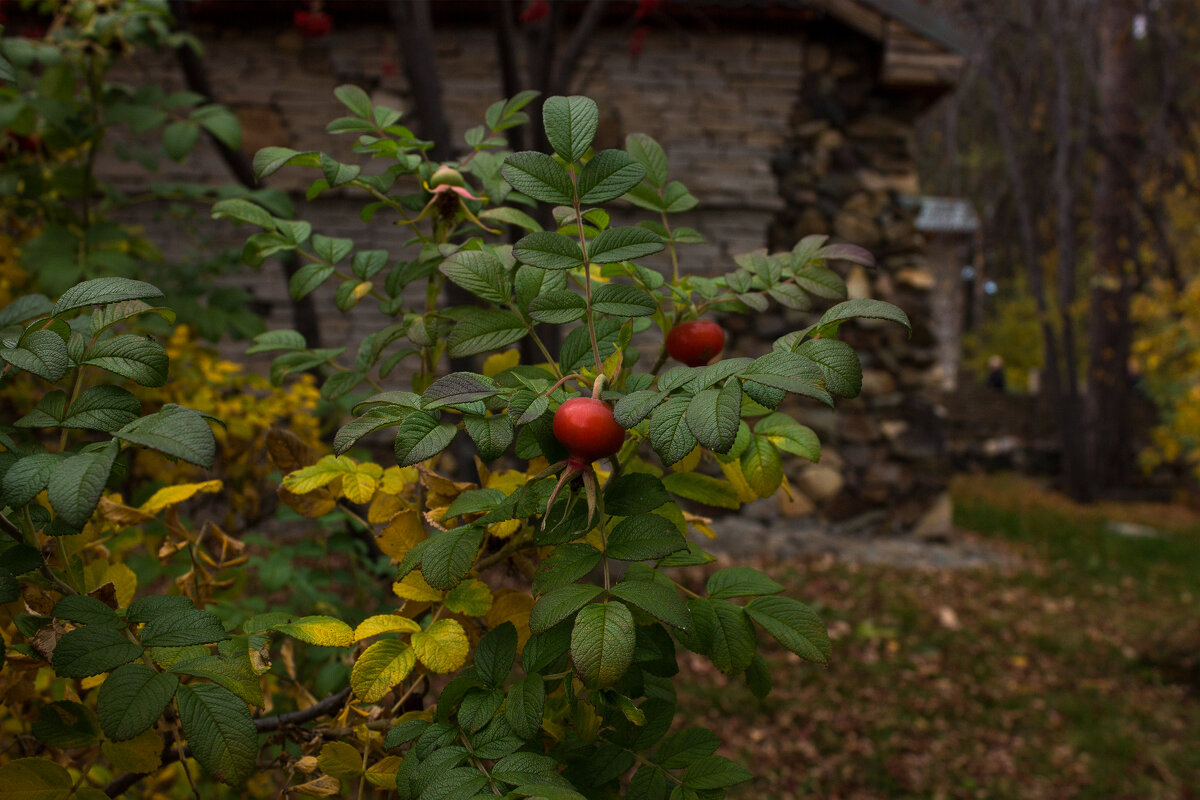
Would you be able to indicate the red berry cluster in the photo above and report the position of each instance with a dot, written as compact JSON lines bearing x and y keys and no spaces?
{"x":312,"y":24}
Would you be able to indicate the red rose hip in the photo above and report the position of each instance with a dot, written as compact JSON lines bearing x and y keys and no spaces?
{"x":586,"y":427}
{"x":695,"y":343}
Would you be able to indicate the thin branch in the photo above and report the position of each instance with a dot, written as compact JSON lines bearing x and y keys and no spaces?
{"x":564,"y":70}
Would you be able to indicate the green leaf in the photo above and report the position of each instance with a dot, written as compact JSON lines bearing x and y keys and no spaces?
{"x":179,"y":138}
{"x":271,"y":159}
{"x":479,"y":273}
{"x":549,"y":250}
{"x":483,"y":330}
{"x":660,"y":601}
{"x":794,"y":625}
{"x":762,"y":466}
{"x":557,"y":307}
{"x":622,"y":301}
{"x":492,"y":435}
{"x":381,"y":666}
{"x":103,"y":408}
{"x":650,"y":155}
{"x":176,"y":431}
{"x":821,"y":282}
{"x":523,"y":707}
{"x":219,"y":730}
{"x":354,"y":99}
{"x":244,"y":211}
{"x":565,"y":565}
{"x":730,"y":636}
{"x":421,"y":436}
{"x":42,"y":352}
{"x":571,"y":124}
{"x":495,"y":654}
{"x":183,"y":627}
{"x":308,"y":279}
{"x":222,"y":124}
{"x":83,"y":609}
{"x":76,"y":484}
{"x":740,"y":582}
{"x":456,"y":388}
{"x":553,"y":607}
{"x":610,"y":174}
{"x":138,"y":358}
{"x":36,"y":779}
{"x":25,"y":308}
{"x":90,"y":650}
{"x":602,"y":643}
{"x":686,"y":747}
{"x":714,"y":772}
{"x":644,"y":536}
{"x":132,"y":699}
{"x":636,"y":406}
{"x":538,"y":176}
{"x":104,"y":290}
{"x":511,"y":216}
{"x":634,"y":493}
{"x":623,"y":244}
{"x":758,"y":677}
{"x":669,"y":434}
{"x":233,"y":671}
{"x":838,"y":363}
{"x":65,"y":725}
{"x":271,"y":341}
{"x":449,"y":556}
{"x":702,"y":488}
{"x":149,"y":606}
{"x":862,"y":308}
{"x":27,"y":477}
{"x":713,"y":416}
{"x":648,"y":783}
{"x":677,"y":198}
{"x":789,"y":436}
{"x":336,"y":173}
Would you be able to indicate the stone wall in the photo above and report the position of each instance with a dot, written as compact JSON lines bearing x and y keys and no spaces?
{"x":783,"y":129}
{"x":849,"y":171}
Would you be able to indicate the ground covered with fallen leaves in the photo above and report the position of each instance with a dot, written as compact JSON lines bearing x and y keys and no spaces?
{"x":1071,"y":672}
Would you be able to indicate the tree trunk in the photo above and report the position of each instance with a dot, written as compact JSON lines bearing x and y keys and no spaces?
{"x":1108,"y":318}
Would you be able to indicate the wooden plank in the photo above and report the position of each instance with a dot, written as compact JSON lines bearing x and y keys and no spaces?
{"x":872,"y":23}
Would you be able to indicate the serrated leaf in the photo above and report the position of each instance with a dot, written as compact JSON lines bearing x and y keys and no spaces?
{"x":340,"y":760}
{"x":219,"y":730}
{"x":235,"y":672}
{"x":456,"y":388}
{"x":83,"y":609}
{"x":104,"y":290}
{"x":623,"y":244}
{"x":863,"y":308}
{"x":75,"y":485}
{"x":740,"y":582}
{"x":495,"y":654}
{"x":713,"y":416}
{"x":555,"y":606}
{"x":176,"y":431}
{"x":789,"y":436}
{"x":138,"y":358}
{"x":570,"y":124}
{"x":702,"y":488}
{"x":36,"y":779}
{"x":538,"y":176}
{"x":181,"y":628}
{"x":449,"y":556}
{"x":381,"y":666}
{"x":660,"y":601}
{"x":610,"y":174}
{"x":420,"y":437}
{"x":244,"y":211}
{"x":355,"y":99}
{"x":669,"y":434}
{"x":132,"y":699}
{"x":557,"y":307}
{"x":66,"y":725}
{"x":622,"y":301}
{"x":602,"y":643}
{"x":41,"y":352}
{"x":492,"y":435}
{"x":523,"y":707}
{"x":794,"y":625}
{"x":714,"y":772}
{"x":443,"y":647}
{"x":480,"y":273}
{"x":483,"y":330}
{"x":650,"y":155}
{"x":308,"y":278}
{"x":90,"y":650}
{"x":103,"y":408}
{"x":636,"y":406}
{"x":318,"y":630}
{"x":549,"y":250}
{"x":566,"y":564}
{"x":644,"y":536}
{"x":762,"y":466}
{"x":384,"y":623}
{"x":634,"y":493}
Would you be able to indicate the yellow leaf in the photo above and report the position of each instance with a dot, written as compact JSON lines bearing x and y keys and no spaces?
{"x":384,"y":506}
{"x":324,"y":786}
{"x":340,"y":760}
{"x":362,"y":290}
{"x":123,"y":579}
{"x":510,"y":605}
{"x":173,"y":495}
{"x":443,"y":647}
{"x":383,"y":772}
{"x":402,"y":534}
{"x":142,"y":753}
{"x":733,"y":472}
{"x":111,"y":510}
{"x":472,"y":598}
{"x":358,"y":486}
{"x":688,"y":462}
{"x":496,"y":363}
{"x":93,"y":682}
{"x":397,"y":479}
{"x":324,"y":631}
{"x":381,"y":666}
{"x":316,"y":503}
{"x":507,"y":481}
{"x":319,"y":474}
{"x":384,"y":623}
{"x":414,"y":587}
{"x":372,"y":469}
{"x":503,"y":530}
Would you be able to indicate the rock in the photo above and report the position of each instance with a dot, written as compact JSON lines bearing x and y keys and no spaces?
{"x":921,"y":279}
{"x":858,"y":285}
{"x":798,"y":505}
{"x":820,"y":482}
{"x":937,"y":523}
{"x":877,"y":382}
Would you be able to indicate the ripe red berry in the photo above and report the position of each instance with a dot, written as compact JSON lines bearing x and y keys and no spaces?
{"x":695,"y":343}
{"x":587,"y":429}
